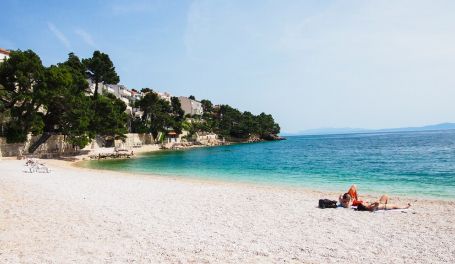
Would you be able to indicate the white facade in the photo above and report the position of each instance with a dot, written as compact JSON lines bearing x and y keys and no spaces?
{"x":101,"y":87}
{"x":122,"y":93}
{"x":164,"y":96}
{"x":136,"y":96}
{"x":119,"y":91}
{"x":191,"y":107}
{"x":4,"y":54}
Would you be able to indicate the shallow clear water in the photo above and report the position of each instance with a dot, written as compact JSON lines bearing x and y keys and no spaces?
{"x":411,"y":163}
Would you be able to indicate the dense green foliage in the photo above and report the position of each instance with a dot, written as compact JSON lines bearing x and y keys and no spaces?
{"x":100,"y":69}
{"x":37,"y":99}
{"x":40,"y":99}
{"x":109,"y":119}
{"x":234,"y":123}
{"x":22,"y":94}
{"x":158,"y":115}
{"x":228,"y":121}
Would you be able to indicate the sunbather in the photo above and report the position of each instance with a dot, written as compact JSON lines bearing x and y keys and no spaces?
{"x":350,"y":198}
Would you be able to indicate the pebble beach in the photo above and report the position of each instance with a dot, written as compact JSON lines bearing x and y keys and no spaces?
{"x":79,"y":215}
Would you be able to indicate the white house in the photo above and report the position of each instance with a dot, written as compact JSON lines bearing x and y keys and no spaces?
{"x":101,"y":87}
{"x":4,"y":54}
{"x":135,"y":95}
{"x":191,"y":107}
{"x":164,"y":96}
{"x":120,"y":91}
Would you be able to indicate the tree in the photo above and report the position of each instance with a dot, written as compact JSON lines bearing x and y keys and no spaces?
{"x":228,"y":121}
{"x":100,"y":69}
{"x":192,"y":97}
{"x":78,"y":71}
{"x":57,"y":84}
{"x":146,"y":90}
{"x":207,"y":106}
{"x":22,"y":94}
{"x":177,"y":110}
{"x":110,"y":119}
{"x":68,"y":109}
{"x":267,"y":126}
{"x":156,"y":114}
{"x":76,"y":121}
{"x":178,"y":114}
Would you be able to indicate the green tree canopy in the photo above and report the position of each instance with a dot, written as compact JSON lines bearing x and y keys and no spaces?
{"x":207,"y":106}
{"x":228,"y":121}
{"x":78,"y":71}
{"x":36,"y":99}
{"x":22,"y":93}
{"x":177,"y":114}
{"x":110,"y":119}
{"x":156,"y":114}
{"x":68,"y":109}
{"x":100,"y":69}
{"x":177,"y":110}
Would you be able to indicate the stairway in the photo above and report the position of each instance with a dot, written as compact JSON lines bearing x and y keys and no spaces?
{"x":44,"y":137}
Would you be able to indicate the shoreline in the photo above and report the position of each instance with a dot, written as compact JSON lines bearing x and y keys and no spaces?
{"x":76,"y":165}
{"x":329,"y":194}
{"x":75,"y":214}
{"x":75,"y":161}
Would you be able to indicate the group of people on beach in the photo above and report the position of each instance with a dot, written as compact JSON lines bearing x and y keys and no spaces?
{"x":351,"y":198}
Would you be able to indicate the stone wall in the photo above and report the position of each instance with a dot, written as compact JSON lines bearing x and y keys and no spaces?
{"x":11,"y":150}
{"x":56,"y":145}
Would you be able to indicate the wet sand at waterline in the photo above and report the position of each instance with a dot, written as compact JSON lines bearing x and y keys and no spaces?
{"x":86,"y":216}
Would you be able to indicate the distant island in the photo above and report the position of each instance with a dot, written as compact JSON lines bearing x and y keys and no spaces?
{"x":347,"y":130}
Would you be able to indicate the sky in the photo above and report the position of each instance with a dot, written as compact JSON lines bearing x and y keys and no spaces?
{"x":311,"y":64}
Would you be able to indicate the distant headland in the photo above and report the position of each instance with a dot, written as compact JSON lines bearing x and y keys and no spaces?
{"x":348,"y":130}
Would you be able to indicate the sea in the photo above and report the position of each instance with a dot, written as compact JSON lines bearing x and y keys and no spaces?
{"x":414,"y":164}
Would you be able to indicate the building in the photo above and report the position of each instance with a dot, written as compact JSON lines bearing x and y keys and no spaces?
{"x":4,"y":54}
{"x":91,"y":85}
{"x":118,"y":90}
{"x":136,"y":95}
{"x":122,"y":93}
{"x":191,"y":107}
{"x":164,"y":96}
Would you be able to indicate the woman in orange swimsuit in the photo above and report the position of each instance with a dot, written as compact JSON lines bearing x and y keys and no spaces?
{"x":351,"y":198}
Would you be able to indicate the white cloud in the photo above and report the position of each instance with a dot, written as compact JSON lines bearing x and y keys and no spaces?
{"x":86,"y":37}
{"x":59,"y":35}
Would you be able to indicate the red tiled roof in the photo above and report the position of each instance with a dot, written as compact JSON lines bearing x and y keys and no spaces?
{"x":4,"y":51}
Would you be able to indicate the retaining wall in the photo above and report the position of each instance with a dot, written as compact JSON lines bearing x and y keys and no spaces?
{"x":56,"y":145}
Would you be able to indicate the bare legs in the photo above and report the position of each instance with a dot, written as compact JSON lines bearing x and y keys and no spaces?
{"x":384,"y":199}
{"x":383,"y":204}
{"x":353,"y":192}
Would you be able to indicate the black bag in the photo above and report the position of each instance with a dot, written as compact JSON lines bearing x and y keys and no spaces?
{"x":326,"y":203}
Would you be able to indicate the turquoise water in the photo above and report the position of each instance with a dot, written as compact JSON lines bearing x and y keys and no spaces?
{"x":411,"y":163}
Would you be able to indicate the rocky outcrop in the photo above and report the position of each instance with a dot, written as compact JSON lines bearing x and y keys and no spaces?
{"x":273,"y":137}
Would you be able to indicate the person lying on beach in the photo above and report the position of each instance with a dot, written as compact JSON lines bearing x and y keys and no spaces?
{"x":351,"y":198}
